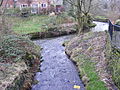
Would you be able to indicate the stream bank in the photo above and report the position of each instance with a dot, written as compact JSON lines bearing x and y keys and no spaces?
{"x":90,"y":52}
{"x":55,"y":31}
{"x":57,"y":71}
{"x":19,"y":62}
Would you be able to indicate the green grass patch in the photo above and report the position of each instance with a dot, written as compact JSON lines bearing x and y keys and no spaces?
{"x":29,"y":25}
{"x":87,"y":67}
{"x":37,"y":23}
{"x":101,"y":18}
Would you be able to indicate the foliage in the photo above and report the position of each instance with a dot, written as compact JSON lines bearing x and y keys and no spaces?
{"x":17,"y":11}
{"x":101,"y":18}
{"x":84,"y":50}
{"x":28,"y":25}
{"x":38,"y":23}
{"x":117,"y":22}
{"x":56,"y":20}
{"x":14,"y":48}
{"x":13,"y":11}
{"x":82,"y":11}
{"x":114,"y":66}
{"x":87,"y":67}
{"x":25,"y":12}
{"x":64,"y":18}
{"x":72,"y":13}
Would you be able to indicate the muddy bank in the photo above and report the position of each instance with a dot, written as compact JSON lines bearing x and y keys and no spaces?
{"x":57,"y":71}
{"x":56,"y":31}
{"x":90,"y":52}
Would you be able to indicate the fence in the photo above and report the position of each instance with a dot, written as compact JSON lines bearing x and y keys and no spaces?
{"x":114,"y":32}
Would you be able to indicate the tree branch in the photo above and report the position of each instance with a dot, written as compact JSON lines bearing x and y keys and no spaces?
{"x":72,"y":3}
{"x":1,"y":3}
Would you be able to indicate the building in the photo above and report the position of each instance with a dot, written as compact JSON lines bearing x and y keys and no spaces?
{"x":36,"y":6}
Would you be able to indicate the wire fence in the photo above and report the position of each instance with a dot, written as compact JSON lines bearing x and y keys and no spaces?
{"x":114,"y":32}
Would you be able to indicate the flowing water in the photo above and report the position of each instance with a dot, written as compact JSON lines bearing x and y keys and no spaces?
{"x":101,"y":26}
{"x":58,"y":72}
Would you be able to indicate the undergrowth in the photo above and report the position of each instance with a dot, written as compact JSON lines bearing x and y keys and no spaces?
{"x":87,"y":68}
{"x":114,"y":66}
{"x":14,"y":47}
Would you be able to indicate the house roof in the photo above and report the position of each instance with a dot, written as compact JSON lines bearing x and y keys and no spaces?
{"x":10,"y":2}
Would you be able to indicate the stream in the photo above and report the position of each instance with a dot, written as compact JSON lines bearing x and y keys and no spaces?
{"x":57,"y":71}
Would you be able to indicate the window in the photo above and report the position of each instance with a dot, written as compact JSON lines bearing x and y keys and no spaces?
{"x":24,"y":5}
{"x":43,"y":5}
{"x":34,"y":8}
{"x":7,"y":5}
{"x":34,"y":5}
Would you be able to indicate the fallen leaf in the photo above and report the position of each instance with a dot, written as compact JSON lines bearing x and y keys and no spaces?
{"x":76,"y":87}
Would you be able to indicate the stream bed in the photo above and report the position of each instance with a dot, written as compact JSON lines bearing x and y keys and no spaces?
{"x":57,"y":71}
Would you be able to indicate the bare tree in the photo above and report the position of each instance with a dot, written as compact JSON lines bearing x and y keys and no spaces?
{"x":82,"y":12}
{"x":3,"y":22}
{"x":1,"y":2}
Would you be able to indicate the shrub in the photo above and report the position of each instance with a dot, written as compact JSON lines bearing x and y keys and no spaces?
{"x":114,"y":66}
{"x":17,"y":12}
{"x":101,"y":18}
{"x":64,"y":18}
{"x":25,"y":12}
{"x":14,"y":48}
{"x":117,"y":22}
{"x":13,"y":11}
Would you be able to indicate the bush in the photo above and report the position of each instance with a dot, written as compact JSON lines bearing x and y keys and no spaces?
{"x":25,"y":12}
{"x":114,"y":66}
{"x":14,"y":48}
{"x":64,"y":18}
{"x":18,"y":12}
{"x":117,"y":22}
{"x":101,"y":18}
{"x":13,"y":11}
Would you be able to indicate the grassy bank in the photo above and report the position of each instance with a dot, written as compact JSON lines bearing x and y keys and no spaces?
{"x":37,"y":23}
{"x":19,"y":58}
{"x":114,"y":66}
{"x":88,"y":52}
{"x":19,"y":61}
{"x":88,"y":73}
{"x":101,"y":18}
